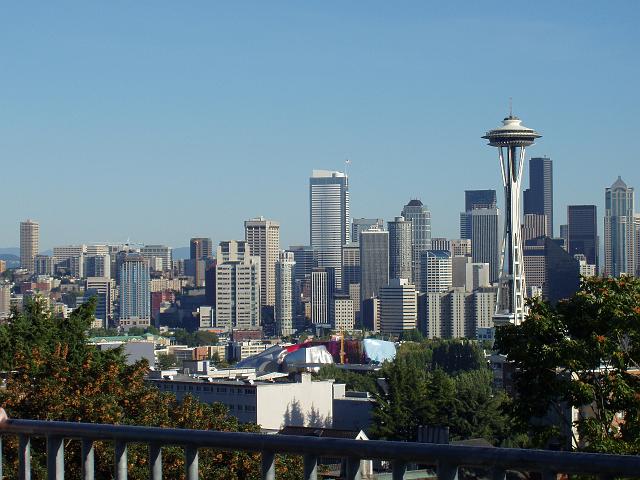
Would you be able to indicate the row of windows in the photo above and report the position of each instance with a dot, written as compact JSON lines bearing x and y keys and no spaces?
{"x":207,"y":388}
{"x":247,"y":408}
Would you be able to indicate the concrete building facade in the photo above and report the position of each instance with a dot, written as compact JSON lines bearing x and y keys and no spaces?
{"x":263,"y":238}
{"x":29,"y":243}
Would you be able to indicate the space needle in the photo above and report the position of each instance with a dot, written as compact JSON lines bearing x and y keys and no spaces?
{"x":511,"y":138}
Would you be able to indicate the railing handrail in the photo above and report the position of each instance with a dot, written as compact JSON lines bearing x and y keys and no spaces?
{"x":505,"y":458}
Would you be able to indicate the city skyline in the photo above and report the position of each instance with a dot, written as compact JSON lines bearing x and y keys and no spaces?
{"x":377,"y":92}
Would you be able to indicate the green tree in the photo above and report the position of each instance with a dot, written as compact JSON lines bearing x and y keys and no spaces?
{"x":167,"y":361}
{"x":355,"y":381}
{"x":455,"y":356}
{"x":580,"y":353}
{"x":417,"y":395}
{"x":478,"y":409}
{"x":203,"y":337}
{"x":413,"y":335}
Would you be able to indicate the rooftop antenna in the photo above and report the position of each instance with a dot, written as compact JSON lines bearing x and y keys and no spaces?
{"x":510,"y":106}
{"x":347,"y":162}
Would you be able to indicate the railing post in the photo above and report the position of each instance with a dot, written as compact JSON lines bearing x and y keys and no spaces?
{"x":121,"y":460}
{"x":88,"y":459}
{"x":155,"y":461}
{"x":25,"y":457}
{"x":353,"y":469}
{"x":498,"y":473}
{"x":268,"y":465}
{"x":447,"y":471}
{"x":399,"y":469}
{"x":55,"y":458}
{"x":310,"y":467}
{"x":191,"y":462}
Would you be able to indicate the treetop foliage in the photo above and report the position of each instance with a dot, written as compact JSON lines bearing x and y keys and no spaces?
{"x":581,"y":353}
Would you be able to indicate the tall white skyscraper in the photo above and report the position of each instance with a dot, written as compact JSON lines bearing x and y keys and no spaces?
{"x":329,"y":218}
{"x":29,"y":243}
{"x":420,"y":218}
{"x":400,"y":251}
{"x":619,"y":230}
{"x":436,"y":271}
{"x":263,"y":237}
{"x":322,"y":293}
{"x":135,"y":297}
{"x":637,"y":230}
{"x":285,"y":290}
{"x":5,"y":300}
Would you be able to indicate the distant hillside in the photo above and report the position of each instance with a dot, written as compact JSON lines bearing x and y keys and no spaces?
{"x":13,"y":261}
{"x":10,"y":251}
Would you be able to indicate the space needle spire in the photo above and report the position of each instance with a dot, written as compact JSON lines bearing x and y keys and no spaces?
{"x":511,"y":139}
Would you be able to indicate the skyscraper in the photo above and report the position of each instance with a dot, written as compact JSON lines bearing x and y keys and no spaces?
{"x":474,"y":199}
{"x":103,"y":289}
{"x":398,"y":307}
{"x":420,"y":218}
{"x":512,"y":138}
{"x":29,"y":243}
{"x":150,"y":252}
{"x":5,"y":300}
{"x":637,"y":229}
{"x":232,"y":251}
{"x":436,"y":271}
{"x":374,"y":262}
{"x":329,"y":226}
{"x":237,"y":292}
{"x":538,"y":198}
{"x":200,"y":248}
{"x":284,"y":307}
{"x":619,"y":231}
{"x":135,"y":297}
{"x":562,"y":272}
{"x":350,"y":265}
{"x":484,"y":239}
{"x":582,"y":235}
{"x":534,"y":226}
{"x":479,"y":199}
{"x":263,"y":237}
{"x":306,"y":260}
{"x":360,"y":224}
{"x":400,"y":253}
{"x":322,"y":293}
{"x":460,"y":247}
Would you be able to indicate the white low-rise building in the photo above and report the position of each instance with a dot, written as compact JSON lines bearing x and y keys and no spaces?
{"x":271,"y":404}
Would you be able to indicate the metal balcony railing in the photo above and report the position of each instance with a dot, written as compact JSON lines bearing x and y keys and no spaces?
{"x":446,"y":458}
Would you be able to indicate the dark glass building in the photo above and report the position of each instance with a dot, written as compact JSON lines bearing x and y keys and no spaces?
{"x":200,"y":248}
{"x":562,"y":272}
{"x":473,"y":200}
{"x":538,"y":198}
{"x":582,"y":236}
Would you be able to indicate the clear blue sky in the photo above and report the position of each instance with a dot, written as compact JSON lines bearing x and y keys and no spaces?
{"x":162,"y":120}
